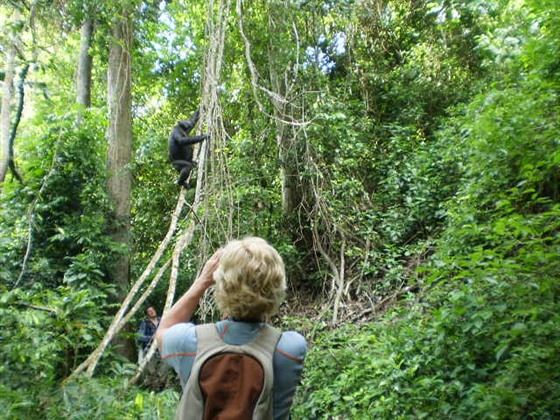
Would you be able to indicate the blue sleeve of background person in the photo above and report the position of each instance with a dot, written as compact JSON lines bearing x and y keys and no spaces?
{"x":288,"y":365}
{"x":143,"y":336}
{"x":179,"y":349}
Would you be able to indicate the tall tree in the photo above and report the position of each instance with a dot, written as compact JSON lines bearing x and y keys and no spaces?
{"x":120,"y":145}
{"x":7,"y":94}
{"x":85,"y":63}
{"x":290,"y":113}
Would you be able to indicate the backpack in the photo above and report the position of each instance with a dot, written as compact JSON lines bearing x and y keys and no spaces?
{"x":230,"y":382}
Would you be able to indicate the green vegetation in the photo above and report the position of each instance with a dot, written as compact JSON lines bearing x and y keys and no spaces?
{"x":426,"y":150}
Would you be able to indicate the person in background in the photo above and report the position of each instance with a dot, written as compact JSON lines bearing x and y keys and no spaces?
{"x":250,"y":284}
{"x":146,"y":332}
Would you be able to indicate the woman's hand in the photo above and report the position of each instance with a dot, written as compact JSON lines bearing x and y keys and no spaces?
{"x":184,"y":308}
{"x":206,"y":277}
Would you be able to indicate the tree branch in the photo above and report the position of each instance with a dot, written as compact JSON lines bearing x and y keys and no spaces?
{"x":19,"y":111}
{"x":54,"y":311}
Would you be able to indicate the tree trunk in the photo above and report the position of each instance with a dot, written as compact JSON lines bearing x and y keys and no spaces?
{"x":287,"y":139}
{"x":298,"y":198}
{"x":292,"y":192}
{"x":5,"y":118}
{"x":85,"y":63}
{"x":291,"y":152}
{"x":120,"y":151}
{"x":288,"y":157}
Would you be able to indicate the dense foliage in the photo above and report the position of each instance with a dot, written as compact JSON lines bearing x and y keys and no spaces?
{"x":424,"y":141}
{"x":481,"y":338}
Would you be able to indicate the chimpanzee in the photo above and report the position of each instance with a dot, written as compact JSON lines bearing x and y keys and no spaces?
{"x":181,"y":149}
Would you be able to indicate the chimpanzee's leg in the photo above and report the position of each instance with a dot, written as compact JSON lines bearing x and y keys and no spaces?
{"x":183,"y":176}
{"x":184,"y":168}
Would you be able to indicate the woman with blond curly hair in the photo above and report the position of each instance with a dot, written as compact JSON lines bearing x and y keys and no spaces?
{"x":249,"y":282}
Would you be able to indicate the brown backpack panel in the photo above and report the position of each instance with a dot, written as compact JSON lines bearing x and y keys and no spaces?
{"x":231,"y":384}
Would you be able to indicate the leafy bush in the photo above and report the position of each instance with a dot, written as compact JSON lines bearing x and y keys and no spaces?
{"x":60,"y":213}
{"x":482,"y":339}
{"x":45,"y":332}
{"x":89,"y":399}
{"x":482,"y":344}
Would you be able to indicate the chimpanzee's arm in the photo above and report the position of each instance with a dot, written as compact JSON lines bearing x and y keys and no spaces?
{"x":185,"y":140}
{"x":193,"y":119}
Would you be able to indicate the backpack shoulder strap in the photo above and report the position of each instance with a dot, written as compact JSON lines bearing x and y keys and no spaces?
{"x":192,"y":401}
{"x":267,"y":339}
{"x":263,"y":348}
{"x":207,"y":336}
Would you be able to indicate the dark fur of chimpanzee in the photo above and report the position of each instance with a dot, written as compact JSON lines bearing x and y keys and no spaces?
{"x":181,"y":147}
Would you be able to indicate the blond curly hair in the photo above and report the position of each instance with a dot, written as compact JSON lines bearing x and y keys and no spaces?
{"x":250,"y":280}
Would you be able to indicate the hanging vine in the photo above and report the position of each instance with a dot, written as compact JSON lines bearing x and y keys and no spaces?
{"x":211,"y":111}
